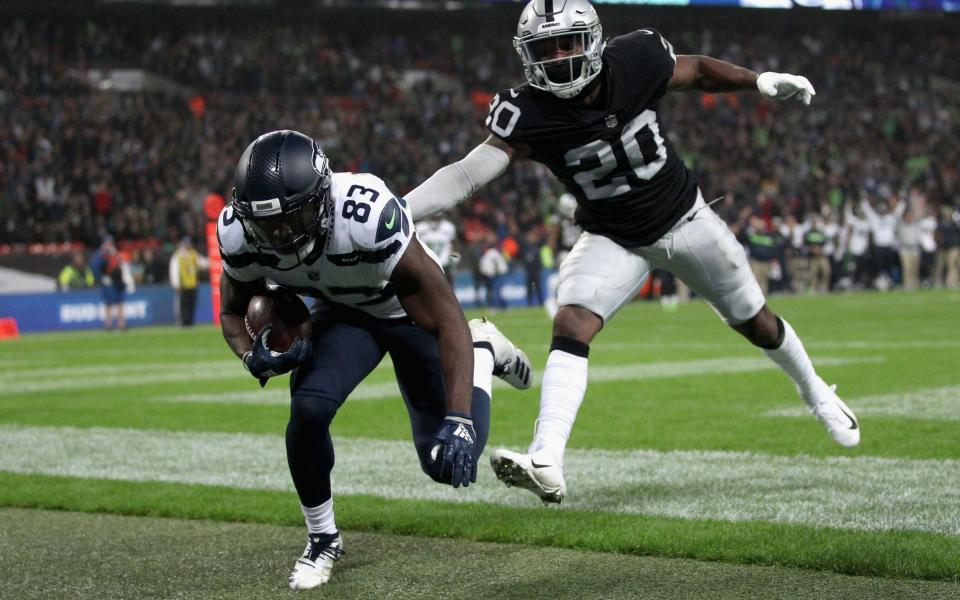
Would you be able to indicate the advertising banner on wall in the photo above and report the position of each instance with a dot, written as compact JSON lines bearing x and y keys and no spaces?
{"x":85,"y":310}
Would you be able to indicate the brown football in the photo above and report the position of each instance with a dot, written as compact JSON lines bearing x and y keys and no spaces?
{"x":286,"y":314}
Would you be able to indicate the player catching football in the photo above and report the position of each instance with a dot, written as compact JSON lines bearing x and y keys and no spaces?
{"x":348,"y":241}
{"x":590,"y":113}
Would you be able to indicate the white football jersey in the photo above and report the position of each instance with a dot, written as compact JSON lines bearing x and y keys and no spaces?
{"x":438,"y":236}
{"x":370,"y":229}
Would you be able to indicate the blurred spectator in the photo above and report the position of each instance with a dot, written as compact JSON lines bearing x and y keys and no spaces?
{"x":492,"y":267}
{"x":819,"y":243}
{"x":531,"y":257}
{"x":76,"y":162}
{"x":763,"y":246}
{"x":113,"y":271}
{"x":138,"y":268}
{"x":857,"y":230}
{"x":156,"y":268}
{"x":185,"y":265}
{"x":77,"y":275}
{"x":884,"y":222}
{"x":928,"y":244}
{"x":947,"y":269}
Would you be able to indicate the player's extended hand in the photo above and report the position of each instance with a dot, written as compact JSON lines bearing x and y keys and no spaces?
{"x":454,"y":449}
{"x":264,"y":363}
{"x":781,"y":86}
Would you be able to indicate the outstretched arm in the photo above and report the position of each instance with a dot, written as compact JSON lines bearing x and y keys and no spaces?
{"x":696,"y":72}
{"x":454,"y":183}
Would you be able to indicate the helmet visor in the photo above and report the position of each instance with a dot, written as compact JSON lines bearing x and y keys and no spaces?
{"x":556,"y":46}
{"x":285,"y":233}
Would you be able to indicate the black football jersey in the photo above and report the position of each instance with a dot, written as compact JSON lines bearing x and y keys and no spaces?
{"x":613,"y":155}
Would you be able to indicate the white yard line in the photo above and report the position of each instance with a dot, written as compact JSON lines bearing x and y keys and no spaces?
{"x":632,"y":372}
{"x":863,"y":492}
{"x":933,"y":404}
{"x":109,"y":376}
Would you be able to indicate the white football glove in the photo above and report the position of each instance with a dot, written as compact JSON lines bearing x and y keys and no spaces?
{"x":781,"y":86}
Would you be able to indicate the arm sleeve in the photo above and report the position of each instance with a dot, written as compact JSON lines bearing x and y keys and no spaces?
{"x":453,"y":183}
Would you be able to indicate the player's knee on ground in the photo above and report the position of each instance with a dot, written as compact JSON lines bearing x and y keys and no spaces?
{"x":430,"y":466}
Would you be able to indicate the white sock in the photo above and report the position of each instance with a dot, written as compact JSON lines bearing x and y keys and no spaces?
{"x":792,"y":358}
{"x":564,"y":384}
{"x":483,"y":370}
{"x":320,"y":518}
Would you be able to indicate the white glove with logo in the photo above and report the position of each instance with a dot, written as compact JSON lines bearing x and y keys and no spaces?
{"x":781,"y":86}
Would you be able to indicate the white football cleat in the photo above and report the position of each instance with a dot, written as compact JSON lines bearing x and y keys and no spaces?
{"x":509,"y":362}
{"x":836,"y":416}
{"x":538,"y":472}
{"x":314,"y":567}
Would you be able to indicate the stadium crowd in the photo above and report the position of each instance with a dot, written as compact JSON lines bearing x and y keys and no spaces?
{"x":860,"y":189}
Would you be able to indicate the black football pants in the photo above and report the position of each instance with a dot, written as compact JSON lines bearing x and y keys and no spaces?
{"x":347,"y":346}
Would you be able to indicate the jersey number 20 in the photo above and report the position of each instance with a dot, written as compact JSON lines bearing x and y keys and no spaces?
{"x":597,"y":158}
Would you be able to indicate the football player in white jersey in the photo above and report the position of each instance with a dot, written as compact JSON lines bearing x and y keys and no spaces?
{"x":438,"y":234}
{"x":590,"y":112}
{"x":348,"y":241}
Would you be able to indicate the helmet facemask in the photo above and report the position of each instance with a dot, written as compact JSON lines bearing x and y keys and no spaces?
{"x":562,"y":61}
{"x":291,"y":231}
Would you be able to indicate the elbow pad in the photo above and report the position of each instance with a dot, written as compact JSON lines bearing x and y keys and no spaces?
{"x":455,"y":182}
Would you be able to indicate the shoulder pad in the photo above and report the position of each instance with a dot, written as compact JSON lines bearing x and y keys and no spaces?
{"x":505,"y":111}
{"x":376,"y":216}
{"x":230,"y":233}
{"x":645,"y":41}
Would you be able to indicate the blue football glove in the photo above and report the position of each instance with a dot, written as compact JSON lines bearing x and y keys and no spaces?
{"x":264,"y":363}
{"x":455,"y":446}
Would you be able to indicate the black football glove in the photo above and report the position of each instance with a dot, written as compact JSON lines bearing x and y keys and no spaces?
{"x":264,"y":363}
{"x":455,"y":446}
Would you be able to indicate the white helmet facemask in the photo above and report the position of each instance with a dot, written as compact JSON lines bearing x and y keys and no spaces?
{"x":560,"y":43}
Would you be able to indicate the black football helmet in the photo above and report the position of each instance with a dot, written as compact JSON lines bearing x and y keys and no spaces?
{"x":282,"y":193}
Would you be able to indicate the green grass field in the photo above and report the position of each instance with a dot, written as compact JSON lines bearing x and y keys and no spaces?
{"x":690,"y":447}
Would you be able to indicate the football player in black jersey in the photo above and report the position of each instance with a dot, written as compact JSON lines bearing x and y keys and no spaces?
{"x":590,"y":112}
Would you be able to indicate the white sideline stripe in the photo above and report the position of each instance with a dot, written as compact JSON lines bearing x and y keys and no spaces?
{"x":384,"y":390}
{"x":109,"y":376}
{"x":712,"y":366}
{"x":933,"y":404}
{"x":863,"y":492}
{"x":83,"y":372}
{"x":365,"y":391}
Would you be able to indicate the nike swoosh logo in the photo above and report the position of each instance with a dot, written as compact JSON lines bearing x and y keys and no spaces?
{"x":536,"y":466}
{"x":392,"y":221}
{"x":853,"y":422}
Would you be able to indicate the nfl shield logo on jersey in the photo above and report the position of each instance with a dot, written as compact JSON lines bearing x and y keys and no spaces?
{"x":611,"y":121}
